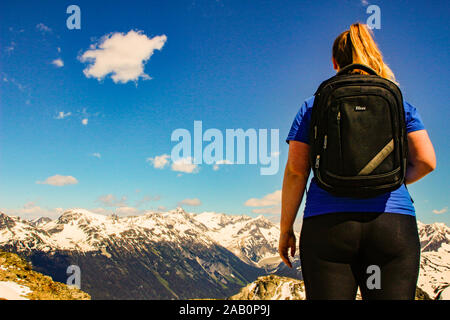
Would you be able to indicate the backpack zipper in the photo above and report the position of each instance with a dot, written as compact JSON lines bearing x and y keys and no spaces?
{"x":338,"y":118}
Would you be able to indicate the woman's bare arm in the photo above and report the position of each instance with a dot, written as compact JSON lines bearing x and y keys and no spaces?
{"x":421,"y":157}
{"x":294,"y":183}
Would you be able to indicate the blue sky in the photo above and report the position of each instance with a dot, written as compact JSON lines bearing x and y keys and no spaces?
{"x":230,"y":64}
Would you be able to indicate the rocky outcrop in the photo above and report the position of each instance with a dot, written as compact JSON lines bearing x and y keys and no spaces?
{"x":274,"y":287}
{"x":19,"y":281}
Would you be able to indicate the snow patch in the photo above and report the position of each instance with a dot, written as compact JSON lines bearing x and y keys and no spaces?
{"x":12,"y":291}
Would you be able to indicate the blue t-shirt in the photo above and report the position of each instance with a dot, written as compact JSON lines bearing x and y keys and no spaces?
{"x":320,"y":201}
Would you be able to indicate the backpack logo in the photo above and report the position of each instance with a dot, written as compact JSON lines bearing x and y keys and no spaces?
{"x":360,"y":108}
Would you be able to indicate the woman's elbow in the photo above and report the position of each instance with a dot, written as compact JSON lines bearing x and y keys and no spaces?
{"x":430,"y":162}
{"x":431,"y":165}
{"x":427,"y":166}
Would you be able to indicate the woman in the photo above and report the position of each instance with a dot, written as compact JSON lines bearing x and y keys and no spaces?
{"x":341,"y":237}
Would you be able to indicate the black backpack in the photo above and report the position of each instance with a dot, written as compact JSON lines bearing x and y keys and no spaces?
{"x":358,"y":134}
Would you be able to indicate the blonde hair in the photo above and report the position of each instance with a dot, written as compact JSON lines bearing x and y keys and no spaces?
{"x":357,"y":45}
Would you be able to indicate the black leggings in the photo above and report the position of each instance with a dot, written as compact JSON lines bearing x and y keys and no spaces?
{"x":336,"y":250}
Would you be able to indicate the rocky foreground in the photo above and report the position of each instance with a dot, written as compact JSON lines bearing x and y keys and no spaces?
{"x":19,"y":282}
{"x":273,"y":287}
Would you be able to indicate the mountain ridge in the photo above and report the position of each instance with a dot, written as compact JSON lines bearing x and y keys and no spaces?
{"x":165,"y":248}
{"x":159,"y":255}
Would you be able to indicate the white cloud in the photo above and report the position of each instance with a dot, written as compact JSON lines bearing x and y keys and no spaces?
{"x":147,"y":199}
{"x":31,"y":210}
{"x":268,"y":210}
{"x":58,"y":180}
{"x":97,"y":155}
{"x":224,"y":162}
{"x":43,"y":28}
{"x":441,"y":211}
{"x":121,"y":55}
{"x":62,"y":115}
{"x":161,"y":208}
{"x":220,"y":162}
{"x":84,"y":121}
{"x":270,"y":199}
{"x":7,"y":78}
{"x":190,"y":202}
{"x":159,"y":162}
{"x":11,"y":47}
{"x":126,"y":211}
{"x":275,"y":154}
{"x":99,"y":210}
{"x":110,"y":200}
{"x":58,"y":62}
{"x":107,"y":199}
{"x":184,"y":165}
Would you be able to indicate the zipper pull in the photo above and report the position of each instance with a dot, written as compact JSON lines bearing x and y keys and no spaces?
{"x":317,"y":162}
{"x":325,"y":142}
{"x":339,"y":116}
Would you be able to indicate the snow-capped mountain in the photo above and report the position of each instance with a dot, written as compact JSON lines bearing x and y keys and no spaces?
{"x":166,"y":254}
{"x":434,"y":236}
{"x":22,"y":235}
{"x":157,"y":255}
{"x":434,"y":277}
{"x":272,"y":287}
{"x":251,"y":239}
{"x":40,"y":221}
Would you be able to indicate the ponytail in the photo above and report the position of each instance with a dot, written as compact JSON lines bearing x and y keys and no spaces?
{"x":356,"y":45}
